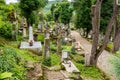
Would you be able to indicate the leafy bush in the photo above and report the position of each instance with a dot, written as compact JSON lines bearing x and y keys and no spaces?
{"x":41,"y":38}
{"x":6,"y":30}
{"x":5,"y":75}
{"x":10,"y":62}
{"x":47,"y":61}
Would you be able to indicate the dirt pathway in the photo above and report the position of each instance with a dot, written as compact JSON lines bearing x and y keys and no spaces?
{"x":54,"y":75}
{"x":103,"y":61}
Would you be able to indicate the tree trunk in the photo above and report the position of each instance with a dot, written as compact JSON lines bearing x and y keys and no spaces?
{"x":108,"y":30}
{"x":96,"y":10}
{"x":116,"y":42}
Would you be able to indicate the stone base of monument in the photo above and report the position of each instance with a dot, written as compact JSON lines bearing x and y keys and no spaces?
{"x":36,"y":47}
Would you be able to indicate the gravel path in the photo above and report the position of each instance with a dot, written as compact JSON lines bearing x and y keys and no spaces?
{"x":103,"y":61}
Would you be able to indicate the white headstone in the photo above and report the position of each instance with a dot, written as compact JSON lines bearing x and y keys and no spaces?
{"x":47,"y":35}
{"x":64,"y":54}
{"x":30,"y":33}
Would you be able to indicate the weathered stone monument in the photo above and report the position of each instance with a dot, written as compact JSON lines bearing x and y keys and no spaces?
{"x":31,"y":34}
{"x":40,"y":27}
{"x":87,"y":59}
{"x":24,"y":31}
{"x":65,"y":55}
{"x":31,"y":44}
{"x":47,"y":43}
{"x":14,"y":31}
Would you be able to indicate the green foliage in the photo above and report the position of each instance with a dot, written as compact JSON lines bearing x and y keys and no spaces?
{"x":68,"y":48}
{"x":10,"y":62}
{"x":6,"y":29}
{"x":49,"y":16}
{"x":115,"y":61}
{"x":106,"y":13}
{"x":89,"y":72}
{"x":83,"y":14}
{"x":5,"y":75}
{"x":5,"y":25}
{"x":73,"y":51}
{"x":62,"y":12}
{"x":2,"y":2}
{"x":28,"y":7}
{"x":52,"y":60}
{"x":41,"y":37}
{"x":77,"y":58}
{"x":53,"y":48}
{"x":55,"y":60}
{"x":47,"y":61}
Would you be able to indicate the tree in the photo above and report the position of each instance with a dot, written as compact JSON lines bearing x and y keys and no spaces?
{"x":2,"y":2}
{"x":28,"y":8}
{"x":5,"y":23}
{"x":116,"y":42}
{"x":96,"y":52}
{"x":62,"y":12}
{"x":83,"y":15}
{"x":106,"y":12}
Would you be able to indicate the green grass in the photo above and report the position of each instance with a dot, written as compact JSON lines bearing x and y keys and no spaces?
{"x":55,"y":60}
{"x":41,"y":37}
{"x":115,"y":61}
{"x":28,"y":56}
{"x":68,"y":48}
{"x":89,"y":72}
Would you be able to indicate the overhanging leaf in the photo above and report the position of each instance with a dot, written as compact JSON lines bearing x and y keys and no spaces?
{"x":5,"y":75}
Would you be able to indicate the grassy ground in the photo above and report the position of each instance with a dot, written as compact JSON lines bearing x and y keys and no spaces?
{"x":13,"y":60}
{"x":90,"y":73}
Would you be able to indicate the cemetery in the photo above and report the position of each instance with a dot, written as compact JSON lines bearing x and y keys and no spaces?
{"x":59,"y":40}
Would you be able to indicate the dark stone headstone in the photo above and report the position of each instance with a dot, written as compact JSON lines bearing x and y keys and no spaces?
{"x":35,"y":37}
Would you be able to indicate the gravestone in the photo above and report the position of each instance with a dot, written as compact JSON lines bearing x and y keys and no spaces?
{"x":59,"y":44}
{"x":40,"y":27}
{"x":14,"y":31}
{"x":35,"y":37}
{"x":87,"y":59}
{"x":46,"y":48}
{"x":24,"y":32}
{"x":31,"y":34}
{"x":64,"y":56}
{"x":47,"y":45}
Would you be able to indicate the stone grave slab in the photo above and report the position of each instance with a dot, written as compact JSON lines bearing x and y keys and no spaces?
{"x":70,"y":67}
{"x":26,"y":45}
{"x":37,"y":46}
